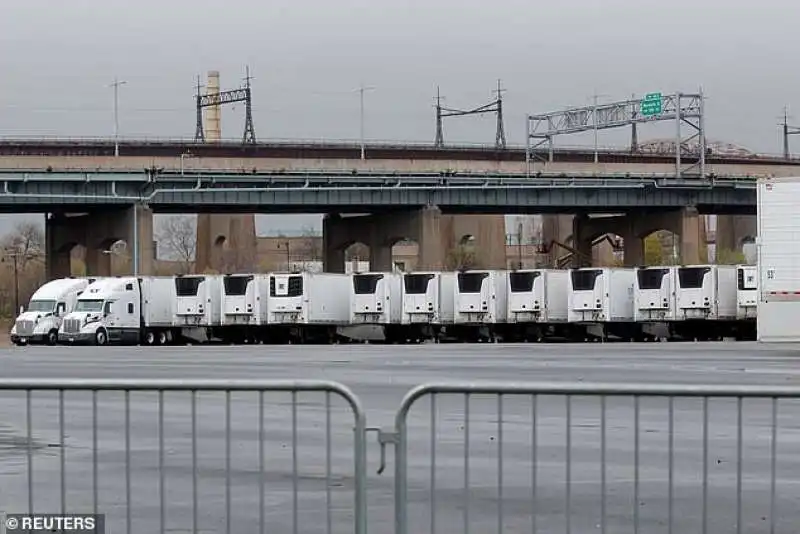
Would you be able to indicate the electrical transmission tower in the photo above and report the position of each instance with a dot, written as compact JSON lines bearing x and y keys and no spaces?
{"x":496,"y":106}
{"x":788,"y":131}
{"x":243,"y":94}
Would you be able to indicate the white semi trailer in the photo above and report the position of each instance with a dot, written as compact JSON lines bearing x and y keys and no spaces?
{"x":601,"y":301}
{"x":307,"y":307}
{"x":778,"y":260}
{"x":148,"y":310}
{"x":537,"y":304}
{"x":40,"y":321}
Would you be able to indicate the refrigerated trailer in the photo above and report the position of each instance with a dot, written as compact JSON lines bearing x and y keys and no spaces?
{"x":307,"y":307}
{"x":537,"y":304}
{"x":243,"y":308}
{"x":778,"y":260}
{"x":480,"y":304}
{"x":746,"y":292}
{"x":601,"y":300}
{"x":654,"y":302}
{"x":705,"y":302}
{"x":427,"y":304}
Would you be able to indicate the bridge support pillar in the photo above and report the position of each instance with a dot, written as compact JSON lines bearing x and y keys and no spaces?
{"x":62,"y":234}
{"x":434,"y":233}
{"x":734,"y":231}
{"x":97,"y":231}
{"x":225,"y":243}
{"x":633,"y":227}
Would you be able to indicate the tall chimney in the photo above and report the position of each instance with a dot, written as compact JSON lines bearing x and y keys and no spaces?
{"x":213,"y":113}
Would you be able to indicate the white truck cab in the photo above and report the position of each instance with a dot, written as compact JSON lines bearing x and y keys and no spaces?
{"x":41,"y":320}
{"x":107,"y":310}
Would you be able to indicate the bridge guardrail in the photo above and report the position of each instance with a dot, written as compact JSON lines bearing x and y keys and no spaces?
{"x":98,"y":453}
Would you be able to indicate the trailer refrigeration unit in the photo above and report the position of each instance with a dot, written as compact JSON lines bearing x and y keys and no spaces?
{"x":307,"y":307}
{"x":778,"y":316}
{"x":746,"y":292}
{"x":654,"y":302}
{"x":480,"y":305}
{"x":427,"y":304}
{"x":39,"y":323}
{"x":706,"y":302}
{"x":537,"y":304}
{"x":243,"y":317}
{"x":376,"y":307}
{"x":123,"y":310}
{"x":601,"y":301}
{"x":746,"y":301}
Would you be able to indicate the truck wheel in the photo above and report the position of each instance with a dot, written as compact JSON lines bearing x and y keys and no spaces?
{"x":162,"y":338}
{"x":52,"y":337}
{"x":150,"y":338}
{"x":100,"y":337}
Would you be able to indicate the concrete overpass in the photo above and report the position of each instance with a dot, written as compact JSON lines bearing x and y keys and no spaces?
{"x":178,"y":157}
{"x":119,"y":205}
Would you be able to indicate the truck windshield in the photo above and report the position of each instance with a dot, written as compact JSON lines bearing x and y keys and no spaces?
{"x":89,"y":306}
{"x":42,"y":305}
{"x":651,"y":278}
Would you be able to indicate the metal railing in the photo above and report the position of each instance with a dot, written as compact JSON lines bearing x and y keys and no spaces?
{"x":104,"y":458}
{"x":626,"y":461}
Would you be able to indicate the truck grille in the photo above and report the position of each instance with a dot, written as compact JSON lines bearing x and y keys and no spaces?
{"x":72,"y":326}
{"x":25,"y":327}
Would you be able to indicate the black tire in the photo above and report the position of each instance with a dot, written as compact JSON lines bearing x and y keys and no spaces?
{"x":52,"y":338}
{"x":162,"y":338}
{"x":101,"y":337}
{"x":149,"y":337}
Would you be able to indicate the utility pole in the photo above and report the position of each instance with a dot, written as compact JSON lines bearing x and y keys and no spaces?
{"x":116,"y":85}
{"x":288,"y":261}
{"x":787,"y":132}
{"x":361,"y":91}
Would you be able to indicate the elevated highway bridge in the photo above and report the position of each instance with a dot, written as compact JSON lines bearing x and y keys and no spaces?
{"x":414,"y":179}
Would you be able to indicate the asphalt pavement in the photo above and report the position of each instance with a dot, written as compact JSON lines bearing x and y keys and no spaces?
{"x":380,"y":376}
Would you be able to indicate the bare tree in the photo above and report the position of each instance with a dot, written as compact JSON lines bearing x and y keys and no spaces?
{"x":26,"y":242}
{"x":23,"y":265}
{"x":178,"y":236}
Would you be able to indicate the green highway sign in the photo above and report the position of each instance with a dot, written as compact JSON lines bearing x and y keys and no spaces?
{"x":651,"y":104}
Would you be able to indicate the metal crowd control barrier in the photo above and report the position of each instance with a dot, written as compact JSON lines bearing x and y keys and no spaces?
{"x":668,"y":489}
{"x":142,"y":451}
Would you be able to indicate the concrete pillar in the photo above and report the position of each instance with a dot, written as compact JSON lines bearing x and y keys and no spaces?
{"x":332,"y":248}
{"x":692,"y":234}
{"x":225,"y":243}
{"x":380,"y":256}
{"x":380,"y":232}
{"x":581,"y":241}
{"x":732,"y":230}
{"x":103,"y":229}
{"x":488,"y":233}
{"x":62,"y":234}
{"x":557,"y":229}
{"x":633,"y":250}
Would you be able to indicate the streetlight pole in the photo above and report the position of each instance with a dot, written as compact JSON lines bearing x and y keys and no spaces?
{"x":288,"y":266}
{"x":361,"y":91}
{"x":116,"y":85}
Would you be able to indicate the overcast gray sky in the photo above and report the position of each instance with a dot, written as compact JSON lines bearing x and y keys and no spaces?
{"x":308,"y":56}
